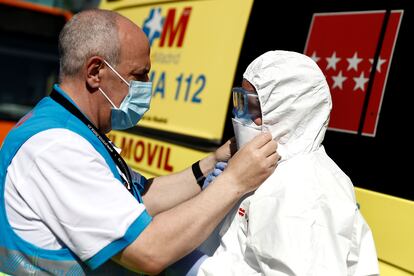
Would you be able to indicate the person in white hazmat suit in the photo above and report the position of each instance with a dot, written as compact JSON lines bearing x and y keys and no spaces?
{"x":304,"y":219}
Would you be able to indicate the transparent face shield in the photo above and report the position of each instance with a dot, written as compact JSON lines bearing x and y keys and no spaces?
{"x":246,"y":105}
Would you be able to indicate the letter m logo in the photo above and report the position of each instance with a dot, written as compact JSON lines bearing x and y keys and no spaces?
{"x":171,"y":32}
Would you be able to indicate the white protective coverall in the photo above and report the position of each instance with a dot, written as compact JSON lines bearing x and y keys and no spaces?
{"x":303,"y":220}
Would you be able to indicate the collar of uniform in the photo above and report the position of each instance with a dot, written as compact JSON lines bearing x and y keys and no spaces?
{"x":57,"y":88}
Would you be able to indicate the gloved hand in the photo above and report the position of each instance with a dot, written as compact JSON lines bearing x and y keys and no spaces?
{"x":218,"y":169}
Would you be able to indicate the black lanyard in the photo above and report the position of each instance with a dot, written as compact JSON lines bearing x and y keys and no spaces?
{"x":60,"y":99}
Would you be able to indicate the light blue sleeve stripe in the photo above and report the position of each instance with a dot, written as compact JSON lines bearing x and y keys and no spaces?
{"x":114,"y":247}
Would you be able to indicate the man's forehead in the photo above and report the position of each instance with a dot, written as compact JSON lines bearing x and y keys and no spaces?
{"x":128,"y":32}
{"x":135,"y":49}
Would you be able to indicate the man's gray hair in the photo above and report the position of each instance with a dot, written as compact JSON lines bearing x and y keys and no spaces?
{"x":86,"y":34}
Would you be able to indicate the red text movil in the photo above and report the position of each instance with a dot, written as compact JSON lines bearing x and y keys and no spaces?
{"x":145,"y":153}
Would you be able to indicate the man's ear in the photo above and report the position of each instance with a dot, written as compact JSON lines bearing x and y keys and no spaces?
{"x":93,"y":66}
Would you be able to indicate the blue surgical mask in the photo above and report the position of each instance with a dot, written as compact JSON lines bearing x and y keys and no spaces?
{"x":134,"y":105}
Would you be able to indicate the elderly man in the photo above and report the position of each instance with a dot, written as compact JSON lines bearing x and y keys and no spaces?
{"x":69,"y":203}
{"x":304,"y":219}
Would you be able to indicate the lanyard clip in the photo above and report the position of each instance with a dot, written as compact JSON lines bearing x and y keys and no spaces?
{"x":127,"y":185}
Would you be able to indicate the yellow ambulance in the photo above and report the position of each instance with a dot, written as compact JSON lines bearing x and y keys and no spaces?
{"x":199,"y":50}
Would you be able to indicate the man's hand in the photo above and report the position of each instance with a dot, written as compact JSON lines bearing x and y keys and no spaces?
{"x":253,"y":163}
{"x":226,"y":151}
{"x":179,"y":230}
{"x":222,"y":154}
